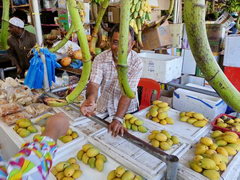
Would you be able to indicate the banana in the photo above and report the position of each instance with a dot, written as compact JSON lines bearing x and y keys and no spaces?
{"x":53,"y":102}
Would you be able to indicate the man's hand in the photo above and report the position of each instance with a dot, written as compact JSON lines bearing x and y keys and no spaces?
{"x":116,"y":128}
{"x":88,"y":108}
{"x":56,"y":126}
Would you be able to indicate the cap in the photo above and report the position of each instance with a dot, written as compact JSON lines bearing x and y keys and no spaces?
{"x":16,"y":22}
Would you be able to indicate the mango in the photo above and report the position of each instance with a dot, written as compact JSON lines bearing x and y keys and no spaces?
{"x":153,"y":113}
{"x":111,"y":175}
{"x":60,"y":175}
{"x":164,"y":146}
{"x":200,"y":123}
{"x":128,"y":125}
{"x":197,"y":158}
{"x":182,"y":114}
{"x":195,"y":167}
{"x":200,"y":149}
{"x":207,"y":163}
{"x":166,"y":133}
{"x":231,"y":151}
{"x":213,"y":146}
{"x":156,"y":102}
{"x":230,"y":138}
{"x":222,"y":166}
{"x":75,"y":166}
{"x":169,"y":120}
{"x":119,"y":171}
{"x":22,"y":120}
{"x":222,"y":124}
{"x":68,"y":171}
{"x":24,"y":124}
{"x":138,"y":178}
{"x":66,"y":139}
{"x":91,"y":162}
{"x":32,"y":129}
{"x":99,"y":165}
{"x":175,"y":140}
{"x":16,"y":127}
{"x":235,"y":146}
{"x":162,"y":104}
{"x":134,"y":127}
{"x":132,"y":120}
{"x":80,"y":154}
{"x":101,"y":156}
{"x":67,"y":178}
{"x":189,"y":114}
{"x":92,"y":152}
{"x":138,"y":122}
{"x":24,"y":133}
{"x":77,"y":174}
{"x":128,"y":175}
{"x":85,"y":158}
{"x":210,"y":152}
{"x":162,"y":115}
{"x":155,"y":119}
{"x":54,"y":171}
{"x":128,"y":116}
{"x":61,"y":166}
{"x":155,"y":143}
{"x":151,"y":136}
{"x":184,"y":118}
{"x":222,"y":151}
{"x":206,"y":141}
{"x":155,"y":132}
{"x":170,"y":142}
{"x":74,"y":135}
{"x":69,"y":132}
{"x":86,"y":147}
{"x":161,"y":137}
{"x":142,"y":129}
{"x":212,"y":174}
{"x":217,"y":158}
{"x":198,"y":116}
{"x":163,"y":122}
{"x":191,"y":120}
{"x":72,"y":160}
{"x":221,"y":143}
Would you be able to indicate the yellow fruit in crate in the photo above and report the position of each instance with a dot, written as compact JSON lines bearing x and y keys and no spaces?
{"x":155,"y":119}
{"x":216,"y":134}
{"x":175,"y":139}
{"x":86,"y":147}
{"x":231,"y":151}
{"x":60,"y":175}
{"x":195,"y":167}
{"x":24,"y":124}
{"x":191,"y":120}
{"x":77,"y":174}
{"x":54,"y":171}
{"x":138,"y":122}
{"x":184,"y":118}
{"x":66,"y":139}
{"x":151,"y":136}
{"x":163,"y":122}
{"x":162,"y":104}
{"x":155,"y":143}
{"x":142,"y":129}
{"x":80,"y":154}
{"x":42,"y":129}
{"x":222,"y":124}
{"x":111,"y":175}
{"x":207,"y":163}
{"x":128,"y":175}
{"x":92,"y":152}
{"x":22,"y":120}
{"x":235,"y":146}
{"x":198,"y":116}
{"x":134,"y":128}
{"x":162,"y":115}
{"x":68,"y":171}
{"x":165,"y":108}
{"x":221,"y":142}
{"x":231,"y":121}
{"x":61,"y":166}
{"x":232,"y":134}
{"x":206,"y":141}
{"x":164,"y":146}
{"x":161,"y":137}
{"x":101,"y":156}
{"x":212,"y":174}
{"x":32,"y":129}
{"x":138,"y":178}
{"x":72,"y":160}
{"x":200,"y":123}
{"x":69,"y":131}
{"x":166,"y":133}
{"x":128,"y":116}
{"x":197,"y":158}
{"x":156,"y":102}
{"x":148,"y":115}
{"x":222,"y":151}
{"x":230,"y":139}
{"x":74,"y":135}
{"x":91,"y":162}
{"x":210,"y":152}
{"x":154,"y":107}
{"x":119,"y":171}
{"x":217,"y":158}
{"x":213,"y":146}
{"x":16,"y":127}
{"x":24,"y":133}
{"x":85,"y":158}
{"x":237,"y":120}
{"x":132,"y":120}
{"x":222,"y":166}
{"x":99,"y":165}
{"x":182,"y":114}
{"x":169,"y":120}
{"x":75,"y":166}
{"x":155,"y":132}
{"x":170,"y":142}
{"x":189,"y":114}
{"x":153,"y":113}
{"x":201,"y":149}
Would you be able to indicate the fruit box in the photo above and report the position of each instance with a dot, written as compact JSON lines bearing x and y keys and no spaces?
{"x":180,"y":128}
{"x":88,"y":173}
{"x":216,"y":127}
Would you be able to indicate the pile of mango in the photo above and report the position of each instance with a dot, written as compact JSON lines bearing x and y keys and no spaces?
{"x":162,"y":139}
{"x":211,"y":154}
{"x":24,"y":127}
{"x":67,"y":170}
{"x":133,"y":123}
{"x":196,"y":119}
{"x":120,"y":173}
{"x":70,"y":135}
{"x":232,"y":124}
{"x":91,"y":155}
{"x":159,"y":113}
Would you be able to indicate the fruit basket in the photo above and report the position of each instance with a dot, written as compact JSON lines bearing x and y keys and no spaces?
{"x":224,"y":129}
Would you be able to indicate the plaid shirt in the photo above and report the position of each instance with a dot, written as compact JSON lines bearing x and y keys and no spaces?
{"x":104,"y":73}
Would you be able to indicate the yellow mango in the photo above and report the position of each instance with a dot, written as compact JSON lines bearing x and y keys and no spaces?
{"x":119,"y":171}
{"x":175,"y":139}
{"x":72,"y":160}
{"x":198,"y":116}
{"x":80,"y":154}
{"x":169,"y":120}
{"x":66,"y":139}
{"x":184,"y":118}
{"x":128,"y":116}
{"x":212,"y":174}
{"x":69,"y":171}
{"x":230,"y":138}
{"x":155,"y":143}
{"x":92,"y":152}
{"x":200,"y":123}
{"x":213,"y":146}
{"x":195,"y":167}
{"x":86,"y":147}
{"x":221,"y":143}
{"x":164,"y":146}
{"x":206,"y":141}
{"x":207,"y":163}
{"x":77,"y":174}
{"x":128,"y":175}
{"x":161,"y":137}
{"x":101,"y":156}
{"x":216,"y":134}
{"x":231,"y":151}
{"x":99,"y":165}
{"x":166,"y":133}
{"x":91,"y":162}
{"x":191,"y":120}
{"x":111,"y":175}
{"x":182,"y":114}
{"x":162,"y":115}
{"x":222,"y":151}
{"x":85,"y":158}
{"x":151,"y":136}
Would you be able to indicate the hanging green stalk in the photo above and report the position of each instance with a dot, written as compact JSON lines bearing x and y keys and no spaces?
{"x":102,"y":11}
{"x":238,"y":22}
{"x":78,"y":26}
{"x":5,"y":24}
{"x":171,"y":7}
{"x":63,"y":41}
{"x":122,"y":66}
{"x":194,"y":15}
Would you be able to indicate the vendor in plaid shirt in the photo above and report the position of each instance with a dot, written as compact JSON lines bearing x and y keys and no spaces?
{"x":104,"y":76}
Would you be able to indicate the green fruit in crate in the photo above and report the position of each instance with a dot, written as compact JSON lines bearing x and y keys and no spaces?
{"x":32,"y":129}
{"x":128,"y":175}
{"x":72,"y":160}
{"x":24,"y":133}
{"x":235,"y":146}
{"x":206,"y":141}
{"x":92,"y":152}
{"x":161,"y":137}
{"x":16,"y":127}
{"x":77,"y":174}
{"x":134,"y":128}
{"x":86,"y":147}
{"x":111,"y":175}
{"x":166,"y":133}
{"x":24,"y":124}
{"x":142,"y":129}
{"x":175,"y":140}
{"x":184,"y":118}
{"x":169,"y":120}
{"x":80,"y":154}
{"x":99,"y":165}
{"x":124,"y":125}
{"x":132,"y":120}
{"x":91,"y":162}
{"x":119,"y":171}
{"x":207,"y":163}
{"x":60,"y":175}
{"x":128,"y":124}
{"x":138,"y":122}
{"x":231,"y":151}
{"x":22,"y":120}
{"x":74,"y":135}
{"x":212,"y":174}
{"x":221,"y":143}
{"x":101,"y":156}
{"x":162,"y":115}
{"x":200,"y":123}
{"x":128,"y":116}
{"x":155,"y":143}
{"x":66,"y":139}
{"x":75,"y":166}
{"x":164,"y":146}
{"x":85,"y":158}
{"x":69,"y":171}
{"x":198,"y":116}
{"x":193,"y":165}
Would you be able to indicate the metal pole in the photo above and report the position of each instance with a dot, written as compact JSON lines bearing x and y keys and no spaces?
{"x":2,"y":73}
{"x":171,"y":160}
{"x":38,"y":28}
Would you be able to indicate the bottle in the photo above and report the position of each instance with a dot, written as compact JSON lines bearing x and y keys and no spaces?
{"x":65,"y":78}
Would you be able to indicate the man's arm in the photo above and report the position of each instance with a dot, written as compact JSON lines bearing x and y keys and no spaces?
{"x":92,"y":91}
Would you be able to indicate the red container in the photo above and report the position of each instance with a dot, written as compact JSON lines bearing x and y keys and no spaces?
{"x":215,"y":127}
{"x":233,"y":74}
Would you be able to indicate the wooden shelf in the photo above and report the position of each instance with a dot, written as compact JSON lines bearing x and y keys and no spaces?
{"x":20,"y":6}
{"x":52,"y":25}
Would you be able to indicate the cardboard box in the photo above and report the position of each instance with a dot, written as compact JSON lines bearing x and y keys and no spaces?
{"x":114,"y":14}
{"x":164,"y":4}
{"x":157,"y":37}
{"x":155,"y":14}
{"x":176,"y":34}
